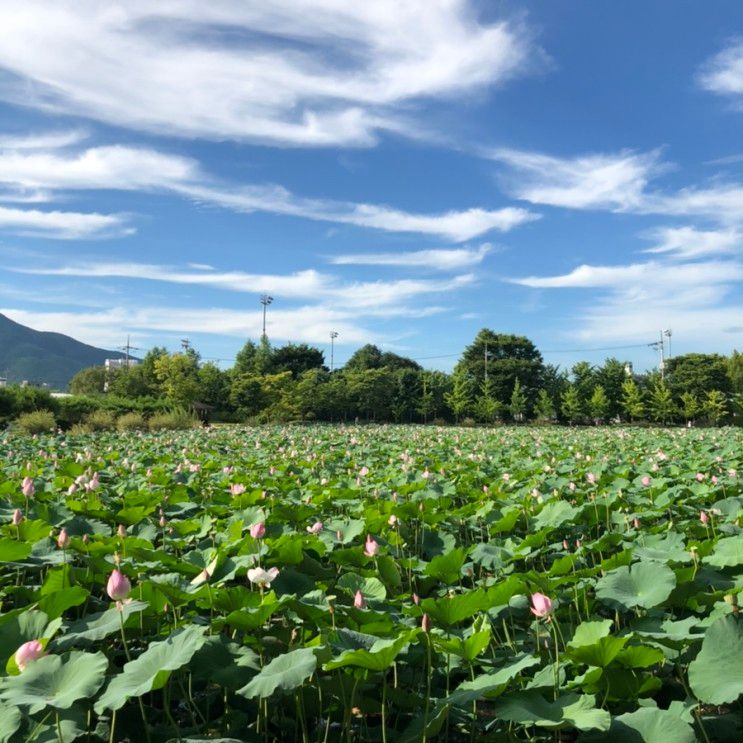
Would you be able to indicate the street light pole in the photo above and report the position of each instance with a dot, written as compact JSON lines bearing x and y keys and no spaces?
{"x":265,"y":301}
{"x":333,"y":336}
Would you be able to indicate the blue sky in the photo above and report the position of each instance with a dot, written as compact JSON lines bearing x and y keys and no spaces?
{"x":403,"y":173}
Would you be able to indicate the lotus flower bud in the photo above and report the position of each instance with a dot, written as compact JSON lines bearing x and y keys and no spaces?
{"x":63,"y":539}
{"x":358,"y":600}
{"x":118,"y":586}
{"x":316,"y":528}
{"x":541,"y":605}
{"x":370,"y":546}
{"x":27,"y":487}
{"x":121,"y":531}
{"x":27,"y":653}
{"x":258,"y":531}
{"x":17,"y":517}
{"x":426,"y":623}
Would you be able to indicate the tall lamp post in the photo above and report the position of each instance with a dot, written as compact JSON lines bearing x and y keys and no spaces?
{"x":333,"y":336}
{"x":265,"y":301}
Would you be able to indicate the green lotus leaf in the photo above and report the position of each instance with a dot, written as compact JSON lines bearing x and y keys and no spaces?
{"x":285,"y":672}
{"x":644,"y":584}
{"x":716,"y":674}
{"x":56,"y":681}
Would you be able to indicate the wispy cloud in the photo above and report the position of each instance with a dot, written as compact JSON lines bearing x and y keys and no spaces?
{"x":436,"y":259}
{"x":631,"y":302}
{"x":687,"y":242}
{"x":597,"y":181}
{"x":723,"y":74}
{"x":371,"y":296}
{"x":63,"y":225}
{"x":335,"y":73}
{"x":122,"y":168}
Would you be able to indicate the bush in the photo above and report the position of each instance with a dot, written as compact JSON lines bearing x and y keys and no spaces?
{"x":173,"y":421}
{"x":131,"y":422}
{"x":39,"y":421}
{"x":100,"y":420}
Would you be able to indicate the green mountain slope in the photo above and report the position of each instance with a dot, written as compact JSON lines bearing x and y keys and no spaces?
{"x":50,"y":358}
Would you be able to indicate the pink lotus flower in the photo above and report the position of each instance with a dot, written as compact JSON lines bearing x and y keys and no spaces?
{"x":261,"y":577}
{"x":28,"y":652}
{"x":714,"y":479}
{"x":426,"y":623}
{"x":506,"y":477}
{"x":370,"y":546}
{"x":700,"y":476}
{"x":27,"y":487}
{"x":426,"y":474}
{"x":364,"y":471}
{"x":258,"y":531}
{"x":571,"y":487}
{"x":636,"y":523}
{"x":63,"y":539}
{"x":703,"y":517}
{"x":121,"y":531}
{"x":17,"y":517}
{"x":565,"y":544}
{"x":392,"y":520}
{"x":591,"y":477}
{"x":646,"y":480}
{"x":237,"y":488}
{"x":416,"y":599}
{"x":541,"y":605}
{"x":358,"y":600}
{"x":118,"y":586}
{"x":316,"y":528}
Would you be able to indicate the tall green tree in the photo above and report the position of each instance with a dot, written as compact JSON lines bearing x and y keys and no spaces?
{"x":660,"y":403}
{"x":90,"y":381}
{"x":570,"y":405}
{"x":460,"y":398}
{"x":632,"y":402}
{"x":544,"y":409}
{"x":178,"y":374}
{"x":296,"y":358}
{"x":715,"y":406}
{"x":689,"y":407}
{"x":611,"y":376}
{"x":508,"y":358}
{"x":698,"y":373}
{"x":598,"y":404}
{"x":517,"y":405}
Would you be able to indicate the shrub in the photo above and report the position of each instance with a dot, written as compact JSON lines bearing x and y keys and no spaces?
{"x":39,"y":421}
{"x":173,"y":421}
{"x":100,"y":420}
{"x":131,"y":422}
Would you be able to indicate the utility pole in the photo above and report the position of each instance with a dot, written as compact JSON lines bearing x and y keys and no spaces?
{"x":486,"y":357}
{"x":185,"y":344}
{"x":668,"y":334}
{"x":333,"y":336}
{"x":660,"y":346}
{"x":126,"y":349}
{"x":265,"y":301}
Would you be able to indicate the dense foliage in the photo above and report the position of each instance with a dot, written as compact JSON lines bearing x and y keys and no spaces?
{"x":372,"y":583}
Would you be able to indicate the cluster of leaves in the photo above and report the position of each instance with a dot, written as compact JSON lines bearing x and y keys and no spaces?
{"x":398,"y":568}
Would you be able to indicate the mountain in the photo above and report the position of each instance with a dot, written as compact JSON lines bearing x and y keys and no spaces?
{"x":44,"y":358}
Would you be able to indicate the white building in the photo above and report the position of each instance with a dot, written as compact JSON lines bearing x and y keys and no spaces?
{"x":121,"y":363}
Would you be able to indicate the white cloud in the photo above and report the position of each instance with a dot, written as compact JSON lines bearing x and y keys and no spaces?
{"x":640,"y":276}
{"x":456,"y":226}
{"x":723,"y":74}
{"x":616,"y":182}
{"x":31,"y":174}
{"x":105,"y":327}
{"x":437,"y":259}
{"x":633,"y":302}
{"x":296,"y":72}
{"x":688,"y":242}
{"x":371,"y":296}
{"x":62,"y":225}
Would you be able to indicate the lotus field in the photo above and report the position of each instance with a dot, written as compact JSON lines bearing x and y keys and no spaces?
{"x":372,"y":584}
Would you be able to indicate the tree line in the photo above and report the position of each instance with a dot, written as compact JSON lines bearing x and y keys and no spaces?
{"x":499,"y":377}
